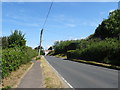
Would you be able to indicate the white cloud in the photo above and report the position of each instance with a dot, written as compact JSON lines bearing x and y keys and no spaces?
{"x":48,"y":46}
{"x":59,"y":18}
{"x":102,"y":13}
{"x":90,"y":23}
{"x":75,"y":38}
{"x":71,"y":25}
{"x":24,"y":20}
{"x":56,"y":40}
{"x":23,"y":23}
{"x":93,"y":24}
{"x":112,"y":10}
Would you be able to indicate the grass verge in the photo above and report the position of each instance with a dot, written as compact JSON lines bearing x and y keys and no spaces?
{"x":51,"y":80}
{"x":60,"y":56}
{"x":98,"y":64}
{"x":13,"y":79}
{"x":91,"y":62}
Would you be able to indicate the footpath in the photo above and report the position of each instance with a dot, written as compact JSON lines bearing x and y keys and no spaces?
{"x":33,"y":78}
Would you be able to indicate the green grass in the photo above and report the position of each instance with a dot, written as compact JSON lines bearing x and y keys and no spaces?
{"x":91,"y":62}
{"x":37,"y":58}
{"x":61,"y":56}
{"x":6,"y":88}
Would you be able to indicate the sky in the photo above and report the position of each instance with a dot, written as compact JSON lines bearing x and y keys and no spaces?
{"x":66,"y":21}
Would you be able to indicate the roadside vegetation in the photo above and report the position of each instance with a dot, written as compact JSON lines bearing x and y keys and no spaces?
{"x":51,"y":79}
{"x":102,"y":46}
{"x":14,"y":77}
{"x":15,"y":53}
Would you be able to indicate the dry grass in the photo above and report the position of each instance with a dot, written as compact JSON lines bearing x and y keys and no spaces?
{"x":13,"y":79}
{"x":90,"y":62}
{"x":98,"y":64}
{"x":51,"y":80}
{"x":61,"y":56}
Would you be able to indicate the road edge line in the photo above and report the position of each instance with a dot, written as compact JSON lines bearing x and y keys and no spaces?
{"x":58,"y":74}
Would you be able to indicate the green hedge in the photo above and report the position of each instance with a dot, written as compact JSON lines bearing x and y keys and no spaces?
{"x":50,"y":53}
{"x":73,"y":54}
{"x":12,"y":58}
{"x":107,"y":51}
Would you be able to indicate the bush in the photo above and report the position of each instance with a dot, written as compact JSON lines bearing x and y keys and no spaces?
{"x":15,"y":52}
{"x":12,"y":58}
{"x":7,"y":88}
{"x":107,"y":51}
{"x":51,"y":53}
{"x":63,"y":46}
{"x":72,"y":54}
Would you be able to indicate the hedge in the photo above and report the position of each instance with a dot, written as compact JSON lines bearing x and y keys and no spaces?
{"x":12,"y":58}
{"x":107,"y":51}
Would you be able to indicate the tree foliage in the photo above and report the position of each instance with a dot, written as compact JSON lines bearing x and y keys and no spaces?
{"x":15,"y":52}
{"x":64,"y":46}
{"x":16,"y":39}
{"x":105,"y":51}
{"x":109,"y":28}
{"x":4,"y":42}
{"x":41,"y":51}
{"x":50,"y":48}
{"x":12,"y":58}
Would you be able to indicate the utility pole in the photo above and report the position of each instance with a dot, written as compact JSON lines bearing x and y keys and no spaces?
{"x":43,"y":27}
{"x":40,"y":42}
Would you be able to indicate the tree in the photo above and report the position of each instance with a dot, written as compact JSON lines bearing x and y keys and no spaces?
{"x":109,"y":28}
{"x":16,"y":39}
{"x":50,"y":48}
{"x":38,"y":47}
{"x":41,"y":51}
{"x":4,"y":42}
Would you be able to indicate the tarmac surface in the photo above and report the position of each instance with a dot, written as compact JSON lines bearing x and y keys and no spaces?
{"x":80,"y":75}
{"x":33,"y":78}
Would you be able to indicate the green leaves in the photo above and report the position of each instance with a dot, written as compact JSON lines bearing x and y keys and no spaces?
{"x":110,"y":27}
{"x":15,"y":52}
{"x":105,"y":51}
{"x":64,"y":46}
{"x":12,"y":58}
{"x":4,"y":42}
{"x":16,"y":39}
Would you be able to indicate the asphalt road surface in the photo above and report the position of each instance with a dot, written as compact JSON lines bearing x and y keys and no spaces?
{"x":80,"y":75}
{"x":33,"y":78}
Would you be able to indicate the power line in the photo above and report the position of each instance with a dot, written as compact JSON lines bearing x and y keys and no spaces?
{"x":39,"y":53}
{"x":47,"y":15}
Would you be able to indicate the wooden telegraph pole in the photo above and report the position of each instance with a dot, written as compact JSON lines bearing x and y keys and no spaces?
{"x":40,"y":43}
{"x":43,"y":28}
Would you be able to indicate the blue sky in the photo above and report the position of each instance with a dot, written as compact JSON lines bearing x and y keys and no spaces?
{"x":66,"y":20}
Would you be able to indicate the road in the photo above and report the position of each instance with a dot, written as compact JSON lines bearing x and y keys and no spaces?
{"x":80,"y":75}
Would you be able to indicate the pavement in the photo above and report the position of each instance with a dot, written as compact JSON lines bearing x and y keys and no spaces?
{"x":80,"y":75}
{"x":33,"y":78}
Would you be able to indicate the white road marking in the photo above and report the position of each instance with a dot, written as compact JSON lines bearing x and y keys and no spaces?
{"x":59,"y":74}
